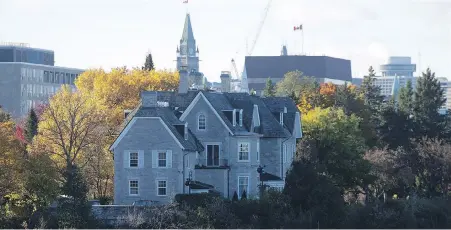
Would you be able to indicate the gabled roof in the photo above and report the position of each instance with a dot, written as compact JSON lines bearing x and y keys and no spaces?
{"x":169,"y":119}
{"x":187,"y":29}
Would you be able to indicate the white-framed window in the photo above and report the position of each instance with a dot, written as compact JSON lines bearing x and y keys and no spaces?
{"x":162,"y":186}
{"x":243,"y":151}
{"x":162,"y":159}
{"x":201,"y":122}
{"x":133,"y":186}
{"x":284,"y":153}
{"x":212,"y":155}
{"x":243,"y":185}
{"x":258,"y":150}
{"x":133,"y":160}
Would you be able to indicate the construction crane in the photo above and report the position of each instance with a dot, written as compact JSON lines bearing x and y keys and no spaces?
{"x":249,"y":52}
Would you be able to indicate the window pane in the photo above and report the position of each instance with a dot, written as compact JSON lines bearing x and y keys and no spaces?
{"x":134,"y":187}
{"x":162,"y":159}
{"x":162,"y":188}
{"x":133,"y":159}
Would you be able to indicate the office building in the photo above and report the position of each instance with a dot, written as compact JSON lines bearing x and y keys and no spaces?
{"x":28,"y":78}
{"x":399,"y":66}
{"x":323,"y":68}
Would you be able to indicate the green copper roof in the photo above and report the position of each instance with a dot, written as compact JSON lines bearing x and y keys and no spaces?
{"x":187,"y":29}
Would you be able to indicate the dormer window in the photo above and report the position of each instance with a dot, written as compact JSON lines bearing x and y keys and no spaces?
{"x":234,"y":117}
{"x":241,"y":118}
{"x":281,"y":118}
{"x":201,"y":122}
{"x":186,"y":131}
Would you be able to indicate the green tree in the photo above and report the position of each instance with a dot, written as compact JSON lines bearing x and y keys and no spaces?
{"x":148,"y":64}
{"x":31,"y":126}
{"x":4,"y":116}
{"x":313,"y":196}
{"x":396,"y":127}
{"x":269,"y":90}
{"x":405,"y":100}
{"x":427,"y":102}
{"x":252,"y":92}
{"x":337,"y":146}
{"x":291,"y":84}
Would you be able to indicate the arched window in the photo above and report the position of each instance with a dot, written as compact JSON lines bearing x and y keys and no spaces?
{"x":201,"y":122}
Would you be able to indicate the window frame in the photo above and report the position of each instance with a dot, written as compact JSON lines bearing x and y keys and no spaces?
{"x":165,"y":187}
{"x":239,"y":185}
{"x":258,"y":150}
{"x":165,"y":159}
{"x":285,"y":152}
{"x":130,"y":187}
{"x":248,"y":151}
{"x":199,"y":122}
{"x":130,"y":159}
{"x":219,"y":154}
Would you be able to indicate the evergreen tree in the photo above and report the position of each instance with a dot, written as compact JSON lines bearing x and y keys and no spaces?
{"x":371,"y":93}
{"x":405,"y":100}
{"x":148,"y":65}
{"x":75,"y":211}
{"x":427,"y":102}
{"x":31,"y":126}
{"x":244,"y":195}
{"x":235,"y":197}
{"x":269,"y":90}
{"x":4,"y":116}
{"x":252,"y":92}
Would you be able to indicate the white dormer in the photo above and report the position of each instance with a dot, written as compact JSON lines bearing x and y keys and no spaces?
{"x":186,"y":131}
{"x":255,"y":117}
{"x":234,"y":117}
{"x":241,"y":117}
{"x":297,"y":126}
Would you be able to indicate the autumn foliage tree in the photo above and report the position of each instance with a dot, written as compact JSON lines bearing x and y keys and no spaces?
{"x":70,"y":125}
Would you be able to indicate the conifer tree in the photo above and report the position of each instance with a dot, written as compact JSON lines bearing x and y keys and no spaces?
{"x":405,"y":100}
{"x":235,"y":197}
{"x":244,"y":195}
{"x":269,"y":90}
{"x":148,"y":65}
{"x":427,"y":102}
{"x":32,"y":125}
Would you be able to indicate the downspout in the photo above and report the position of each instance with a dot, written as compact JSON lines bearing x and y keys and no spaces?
{"x":228,"y":183}
{"x":281,"y":158}
{"x":183,"y":171}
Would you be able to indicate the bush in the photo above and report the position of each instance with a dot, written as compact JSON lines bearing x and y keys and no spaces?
{"x":195,"y":200}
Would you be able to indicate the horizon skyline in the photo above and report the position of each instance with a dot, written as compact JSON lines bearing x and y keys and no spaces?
{"x":329,"y":34}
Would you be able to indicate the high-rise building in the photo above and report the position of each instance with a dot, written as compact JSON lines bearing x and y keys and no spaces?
{"x":28,"y":77}
{"x":398,"y":66}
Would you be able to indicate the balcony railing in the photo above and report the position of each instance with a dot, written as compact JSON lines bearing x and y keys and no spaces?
{"x":203,"y":163}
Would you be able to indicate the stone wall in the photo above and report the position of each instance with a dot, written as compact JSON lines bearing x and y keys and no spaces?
{"x":117,"y":215}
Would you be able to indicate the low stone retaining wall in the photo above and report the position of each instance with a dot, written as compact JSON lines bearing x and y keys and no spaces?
{"x":116,"y":215}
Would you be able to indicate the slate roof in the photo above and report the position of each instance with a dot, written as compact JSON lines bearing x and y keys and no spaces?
{"x":187,"y":29}
{"x":167,"y":115}
{"x":277,"y":104}
{"x":222,"y":103}
{"x":269,"y":126}
{"x":269,"y":177}
{"x":313,"y":66}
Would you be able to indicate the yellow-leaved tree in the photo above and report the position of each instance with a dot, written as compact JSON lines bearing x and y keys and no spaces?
{"x":120,"y":88}
{"x":70,"y":127}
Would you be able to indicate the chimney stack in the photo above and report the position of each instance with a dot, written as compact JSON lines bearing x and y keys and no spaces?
{"x":225,"y":81}
{"x":183,"y":83}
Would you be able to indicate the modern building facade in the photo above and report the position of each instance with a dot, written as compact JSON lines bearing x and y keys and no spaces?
{"x":259,"y":68}
{"x":24,"y":84}
{"x":202,"y":141}
{"x":398,"y":66}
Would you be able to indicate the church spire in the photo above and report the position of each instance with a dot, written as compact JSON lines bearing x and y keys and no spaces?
{"x":187,"y":29}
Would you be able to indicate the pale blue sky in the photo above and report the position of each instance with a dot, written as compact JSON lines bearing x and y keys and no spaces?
{"x":110,"y":33}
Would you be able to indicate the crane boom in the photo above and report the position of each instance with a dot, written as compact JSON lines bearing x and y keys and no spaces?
{"x":260,"y":27}
{"x":235,"y":69}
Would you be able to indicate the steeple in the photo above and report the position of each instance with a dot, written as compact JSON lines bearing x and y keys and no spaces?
{"x":187,"y":34}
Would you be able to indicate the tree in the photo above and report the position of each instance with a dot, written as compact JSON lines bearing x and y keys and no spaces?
{"x":269,"y":90}
{"x":252,"y":92}
{"x":244,"y":195}
{"x":337,"y":147}
{"x":290,"y":84}
{"x":235,"y":196}
{"x":405,"y":100}
{"x":328,"y":93}
{"x":70,"y":126}
{"x":313,"y":195}
{"x":120,"y":89}
{"x":427,"y":102}
{"x":396,"y":128}
{"x":4,"y":116}
{"x":32,"y":125}
{"x":148,"y":64}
